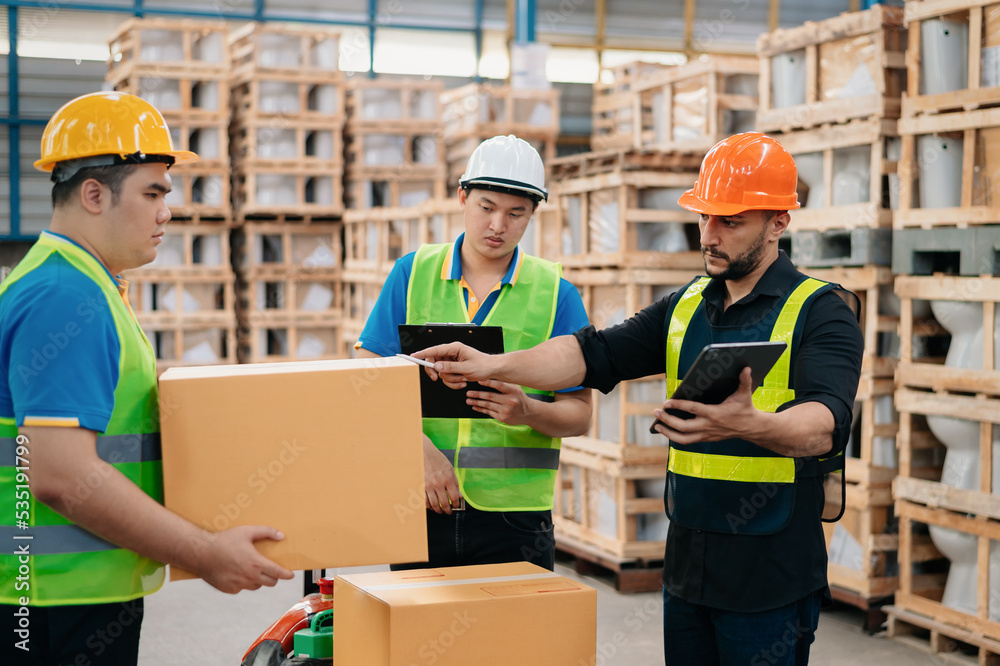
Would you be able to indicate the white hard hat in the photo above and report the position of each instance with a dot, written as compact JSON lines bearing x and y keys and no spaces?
{"x":506,"y":164}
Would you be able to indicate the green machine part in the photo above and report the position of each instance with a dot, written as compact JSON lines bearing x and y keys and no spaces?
{"x":316,"y":642}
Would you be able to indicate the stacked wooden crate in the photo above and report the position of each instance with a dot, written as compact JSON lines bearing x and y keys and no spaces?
{"x":288,"y":116}
{"x":624,"y":243}
{"x":688,"y":107}
{"x":479,"y":111}
{"x":619,"y":115}
{"x":290,"y":278}
{"x":395,"y":151}
{"x":947,"y":233}
{"x":830,"y":93}
{"x":184,"y":300}
{"x":287,"y":123}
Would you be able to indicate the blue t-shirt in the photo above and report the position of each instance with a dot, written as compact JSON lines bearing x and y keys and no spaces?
{"x":59,"y":348}
{"x":381,"y":335}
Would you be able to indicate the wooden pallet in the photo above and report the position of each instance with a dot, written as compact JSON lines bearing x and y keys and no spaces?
{"x":832,"y":51}
{"x":285,"y":248}
{"x":696,"y":105}
{"x":278,"y":100}
{"x":388,"y":103}
{"x":299,"y":296}
{"x":983,"y":33}
{"x":846,"y":174}
{"x":192,"y":96}
{"x":947,"y":643}
{"x":487,"y":110}
{"x":315,"y":144}
{"x":375,"y":239}
{"x":270,"y":49}
{"x":389,"y":188}
{"x":862,"y":545}
{"x":290,"y":190}
{"x":972,"y":198}
{"x":209,"y":139}
{"x":620,"y":114}
{"x":627,"y":573}
{"x":394,"y":152}
{"x":630,"y":159}
{"x":269,"y":337}
{"x":169,"y":46}
{"x":599,"y":502}
{"x":200,"y":193}
{"x":201,"y":342}
{"x":628,"y":218}
{"x":872,"y":285}
{"x":917,"y":597}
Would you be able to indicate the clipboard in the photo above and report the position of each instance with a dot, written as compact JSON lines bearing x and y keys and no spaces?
{"x":437,"y":401}
{"x":715,"y":374}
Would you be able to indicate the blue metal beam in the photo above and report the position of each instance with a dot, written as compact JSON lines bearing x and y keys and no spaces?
{"x":13,"y":131}
{"x":258,"y":10}
{"x":137,"y":9}
{"x":235,"y":16}
{"x":372,"y":12}
{"x":525,"y":19}
{"x":479,"y":37}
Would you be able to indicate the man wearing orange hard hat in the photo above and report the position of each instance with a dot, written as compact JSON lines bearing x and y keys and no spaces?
{"x":79,"y":417}
{"x":745,"y":564}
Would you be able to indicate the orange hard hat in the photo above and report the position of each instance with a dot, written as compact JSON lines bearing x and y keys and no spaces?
{"x":749,"y":171}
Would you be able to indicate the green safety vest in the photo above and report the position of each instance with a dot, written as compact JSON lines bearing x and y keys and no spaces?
{"x":499,"y":467}
{"x":735,"y":486}
{"x":67,"y":564}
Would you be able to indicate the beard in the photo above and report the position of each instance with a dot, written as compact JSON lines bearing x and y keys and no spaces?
{"x":744,"y":264}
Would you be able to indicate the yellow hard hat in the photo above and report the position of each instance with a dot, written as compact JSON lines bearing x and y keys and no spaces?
{"x":106,"y":128}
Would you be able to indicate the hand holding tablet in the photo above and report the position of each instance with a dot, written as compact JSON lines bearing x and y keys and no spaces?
{"x":715,"y":374}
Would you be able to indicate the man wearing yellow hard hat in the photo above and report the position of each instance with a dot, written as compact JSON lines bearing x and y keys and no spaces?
{"x":85,"y":529}
{"x":744,"y":571}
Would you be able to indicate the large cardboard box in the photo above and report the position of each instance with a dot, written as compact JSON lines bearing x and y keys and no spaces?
{"x":328,"y":452}
{"x":514,"y":613}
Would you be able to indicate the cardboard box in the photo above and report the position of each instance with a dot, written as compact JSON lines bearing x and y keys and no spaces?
{"x":328,"y":452}
{"x":514,"y":613}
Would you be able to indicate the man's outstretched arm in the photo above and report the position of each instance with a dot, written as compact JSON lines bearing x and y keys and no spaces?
{"x":555,"y":364}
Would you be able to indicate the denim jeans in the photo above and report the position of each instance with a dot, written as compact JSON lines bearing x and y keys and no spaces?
{"x":487,"y":537}
{"x":695,"y":635}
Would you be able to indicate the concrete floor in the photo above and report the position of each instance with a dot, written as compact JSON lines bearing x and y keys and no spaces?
{"x":189,"y":623}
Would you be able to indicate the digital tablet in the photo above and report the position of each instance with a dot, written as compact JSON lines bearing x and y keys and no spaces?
{"x":436,"y":399}
{"x":715,"y":374}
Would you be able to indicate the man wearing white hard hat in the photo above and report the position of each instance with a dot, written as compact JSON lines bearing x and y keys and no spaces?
{"x":490,"y":482}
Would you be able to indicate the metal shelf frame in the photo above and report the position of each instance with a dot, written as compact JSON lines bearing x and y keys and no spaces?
{"x":13,"y":119}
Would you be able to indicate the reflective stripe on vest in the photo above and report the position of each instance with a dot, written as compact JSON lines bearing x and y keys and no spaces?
{"x":70,"y":565}
{"x":732,"y":468}
{"x":499,"y":467}
{"x":137,"y":448}
{"x":773,"y":392}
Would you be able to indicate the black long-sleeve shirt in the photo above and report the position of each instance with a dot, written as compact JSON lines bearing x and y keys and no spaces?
{"x":737,"y":572}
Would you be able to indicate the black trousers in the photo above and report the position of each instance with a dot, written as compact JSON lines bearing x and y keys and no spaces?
{"x":487,"y":537}
{"x":87,"y":635}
